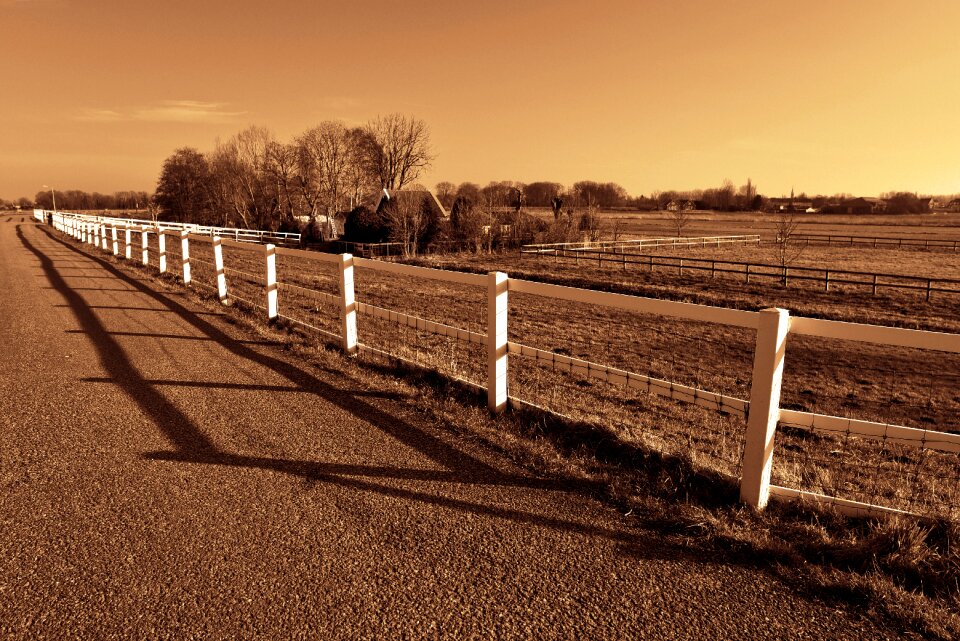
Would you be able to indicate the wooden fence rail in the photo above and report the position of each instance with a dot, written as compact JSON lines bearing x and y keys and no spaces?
{"x":762,"y":410}
{"x":878,"y":241}
{"x":758,"y":271}
{"x":646,"y":243}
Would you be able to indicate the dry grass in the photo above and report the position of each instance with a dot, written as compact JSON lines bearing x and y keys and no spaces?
{"x":705,"y":223}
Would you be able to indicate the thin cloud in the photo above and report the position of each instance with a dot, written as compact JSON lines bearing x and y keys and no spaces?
{"x":99,"y":115}
{"x":188,"y":111}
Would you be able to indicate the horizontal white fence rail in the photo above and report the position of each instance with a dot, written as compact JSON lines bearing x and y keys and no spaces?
{"x":642,"y":243}
{"x":762,"y":410}
{"x":248,"y":235}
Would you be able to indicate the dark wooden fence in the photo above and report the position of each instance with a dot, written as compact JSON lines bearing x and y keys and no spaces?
{"x":754,"y":272}
{"x":877,"y":241}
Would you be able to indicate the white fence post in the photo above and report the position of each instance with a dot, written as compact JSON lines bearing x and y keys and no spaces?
{"x":145,"y":245}
{"x":116,"y":246}
{"x":103,"y":237}
{"x":270,"y":284}
{"x":83,"y":232}
{"x":185,"y":254}
{"x":768,"y":358}
{"x":497,"y":310}
{"x":95,"y":228}
{"x":127,"y":250}
{"x":221,"y":273}
{"x":348,"y":305}
{"x":161,"y":250}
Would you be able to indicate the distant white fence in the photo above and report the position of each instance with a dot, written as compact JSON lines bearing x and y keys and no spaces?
{"x":762,"y":410}
{"x":244,"y":235}
{"x":640,"y":243}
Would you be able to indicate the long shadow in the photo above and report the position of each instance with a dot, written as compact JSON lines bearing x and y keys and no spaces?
{"x":169,"y":336}
{"x":192,"y":446}
{"x":239,"y":386}
{"x":174,"y":424}
{"x":98,"y":289}
{"x":428,"y":445}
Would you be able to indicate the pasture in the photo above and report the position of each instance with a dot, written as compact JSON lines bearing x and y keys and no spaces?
{"x":708,"y":223}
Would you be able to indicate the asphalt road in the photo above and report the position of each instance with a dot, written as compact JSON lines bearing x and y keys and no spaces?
{"x":166,"y":476}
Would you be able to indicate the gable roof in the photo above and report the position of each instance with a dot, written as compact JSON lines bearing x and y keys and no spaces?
{"x":404,"y":195}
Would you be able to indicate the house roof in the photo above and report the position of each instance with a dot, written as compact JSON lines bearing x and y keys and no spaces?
{"x":401,"y":195}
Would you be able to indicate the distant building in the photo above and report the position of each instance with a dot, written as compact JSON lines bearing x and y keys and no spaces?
{"x":681,"y":205}
{"x":778,"y":205}
{"x":330,"y":227}
{"x":857,"y":206}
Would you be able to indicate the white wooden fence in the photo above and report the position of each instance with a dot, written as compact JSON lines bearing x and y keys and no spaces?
{"x":762,"y":410}
{"x":640,"y":243}
{"x":245,"y":235}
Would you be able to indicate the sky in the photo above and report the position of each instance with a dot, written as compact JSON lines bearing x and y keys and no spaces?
{"x":854,"y":96}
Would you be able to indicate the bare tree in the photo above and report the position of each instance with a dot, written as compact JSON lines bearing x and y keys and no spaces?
{"x":282,"y":167}
{"x":655,"y":197}
{"x":617,"y":229}
{"x":788,"y":247}
{"x":242,"y":179}
{"x":680,"y":216}
{"x":402,"y":149}
{"x":407,"y":219}
{"x":725,"y":195}
{"x":361,"y":177}
{"x":324,"y":156}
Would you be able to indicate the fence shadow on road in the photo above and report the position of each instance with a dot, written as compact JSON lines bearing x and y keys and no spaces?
{"x":191,"y":445}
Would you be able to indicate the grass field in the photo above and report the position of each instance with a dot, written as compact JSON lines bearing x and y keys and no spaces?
{"x":703,"y":223}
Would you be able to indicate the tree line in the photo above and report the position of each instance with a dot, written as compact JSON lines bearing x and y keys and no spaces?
{"x":253,"y":180}
{"x":605,"y":195}
{"x":77,"y":199}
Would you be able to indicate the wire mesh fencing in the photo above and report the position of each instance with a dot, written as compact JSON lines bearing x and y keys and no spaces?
{"x":308,"y":295}
{"x":244,"y":266}
{"x":436,"y":325}
{"x":203,"y":268}
{"x":628,"y":370}
{"x":880,"y":390}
